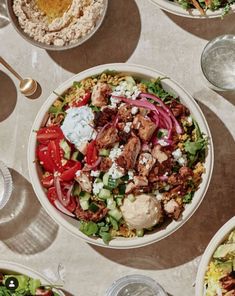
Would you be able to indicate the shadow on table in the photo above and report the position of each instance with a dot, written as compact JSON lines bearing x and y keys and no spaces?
{"x":192,"y":238}
{"x":66,"y":293}
{"x":228,"y":95}
{"x":8,"y":96}
{"x":24,"y":225}
{"x":4,"y":20}
{"x":205,"y":28}
{"x":115,"y":41}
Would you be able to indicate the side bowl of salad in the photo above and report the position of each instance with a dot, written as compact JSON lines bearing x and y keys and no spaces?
{"x":120,"y":155}
{"x":216,"y":272}
{"x":19,"y":280}
{"x":197,"y":8}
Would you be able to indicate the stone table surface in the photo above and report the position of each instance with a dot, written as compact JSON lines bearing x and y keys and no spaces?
{"x":134,"y":32}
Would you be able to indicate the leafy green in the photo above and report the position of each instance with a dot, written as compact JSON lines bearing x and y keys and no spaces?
{"x":155,"y":87}
{"x":188,"y":197}
{"x":114,"y":223}
{"x":89,"y":228}
{"x":95,"y":108}
{"x":196,"y":149}
{"x":106,"y":236}
{"x":193,"y":147}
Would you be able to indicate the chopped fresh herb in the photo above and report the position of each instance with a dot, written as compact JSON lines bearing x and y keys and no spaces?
{"x":93,"y":207}
{"x":95,"y":108}
{"x":77,"y":84}
{"x":188,"y":197}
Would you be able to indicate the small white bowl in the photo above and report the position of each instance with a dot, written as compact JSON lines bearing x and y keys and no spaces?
{"x":14,"y":20}
{"x":71,"y":224}
{"x":218,"y":238}
{"x":175,"y":8}
{"x":16,"y":268}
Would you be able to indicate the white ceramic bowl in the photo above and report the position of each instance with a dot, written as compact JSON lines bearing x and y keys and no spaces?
{"x":71,"y":224}
{"x":218,"y":238}
{"x":175,"y":8}
{"x":15,"y":268}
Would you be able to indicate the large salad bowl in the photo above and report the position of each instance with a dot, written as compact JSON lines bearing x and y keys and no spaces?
{"x":220,"y":252}
{"x":175,"y":8}
{"x":16,"y":269}
{"x":72,"y":225}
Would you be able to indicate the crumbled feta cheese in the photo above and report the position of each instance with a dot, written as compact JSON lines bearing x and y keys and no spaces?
{"x":97,"y":186}
{"x":163,"y":143}
{"x":134,"y":110}
{"x":127,"y":127}
{"x":115,"y":171}
{"x":182,"y":161}
{"x":130,"y":174}
{"x":177,"y":154}
{"x":77,"y":126}
{"x":159,"y":196}
{"x":179,"y":157}
{"x":115,"y":152}
{"x":78,"y":173}
{"x":95,"y":173}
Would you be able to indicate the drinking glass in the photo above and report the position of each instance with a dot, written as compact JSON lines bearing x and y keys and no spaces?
{"x":218,"y":63}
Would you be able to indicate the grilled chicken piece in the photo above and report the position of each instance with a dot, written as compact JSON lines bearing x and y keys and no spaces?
{"x":84,"y":181}
{"x":158,"y":154}
{"x":173,"y":209}
{"x":124,"y":113}
{"x":105,"y":164}
{"x":107,"y":138}
{"x":89,"y":215}
{"x":127,"y":159}
{"x":139,"y":181}
{"x":145,"y":127}
{"x":99,"y":96}
{"x":145,"y":163}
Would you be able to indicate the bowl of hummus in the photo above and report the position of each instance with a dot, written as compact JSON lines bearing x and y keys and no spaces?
{"x":120,"y":156}
{"x":55,"y":24}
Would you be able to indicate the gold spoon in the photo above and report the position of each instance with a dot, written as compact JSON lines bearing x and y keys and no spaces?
{"x":28,"y":86}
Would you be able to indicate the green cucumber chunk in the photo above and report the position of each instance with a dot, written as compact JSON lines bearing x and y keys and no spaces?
{"x":116,"y":214}
{"x":105,"y":193}
{"x":66,"y":148}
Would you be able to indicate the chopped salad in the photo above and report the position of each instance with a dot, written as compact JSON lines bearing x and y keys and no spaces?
{"x":120,"y":154}
{"x":220,"y":276}
{"x":203,"y":5}
{"x":22,"y":285}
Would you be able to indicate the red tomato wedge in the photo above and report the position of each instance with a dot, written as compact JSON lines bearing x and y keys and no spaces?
{"x":45,"y":158}
{"x":72,"y":205}
{"x":56,"y":154}
{"x":45,"y":134}
{"x":85,"y":99}
{"x":92,"y":153}
{"x":69,"y":174}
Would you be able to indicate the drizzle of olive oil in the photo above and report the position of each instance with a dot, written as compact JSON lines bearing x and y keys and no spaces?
{"x":53,"y":8}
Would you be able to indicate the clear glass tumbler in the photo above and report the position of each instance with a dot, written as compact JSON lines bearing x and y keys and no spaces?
{"x":218,"y":63}
{"x":135,"y":285}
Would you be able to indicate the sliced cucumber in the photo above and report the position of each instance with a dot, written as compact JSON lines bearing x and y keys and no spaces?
{"x":105,"y":193}
{"x":75,"y":155}
{"x":119,"y":201}
{"x":66,"y":148}
{"x":109,"y":182}
{"x":131,"y":197}
{"x":111,"y":203}
{"x":84,"y":195}
{"x":140,"y":232}
{"x":114,"y":223}
{"x":93,"y":207}
{"x":116,"y":214}
{"x":77,"y":190}
{"x":84,"y":200}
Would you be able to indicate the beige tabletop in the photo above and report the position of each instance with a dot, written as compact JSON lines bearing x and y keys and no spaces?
{"x":135,"y":32}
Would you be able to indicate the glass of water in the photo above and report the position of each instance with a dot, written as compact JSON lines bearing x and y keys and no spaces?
{"x":5,"y":185}
{"x":135,"y":285}
{"x":218,"y":63}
